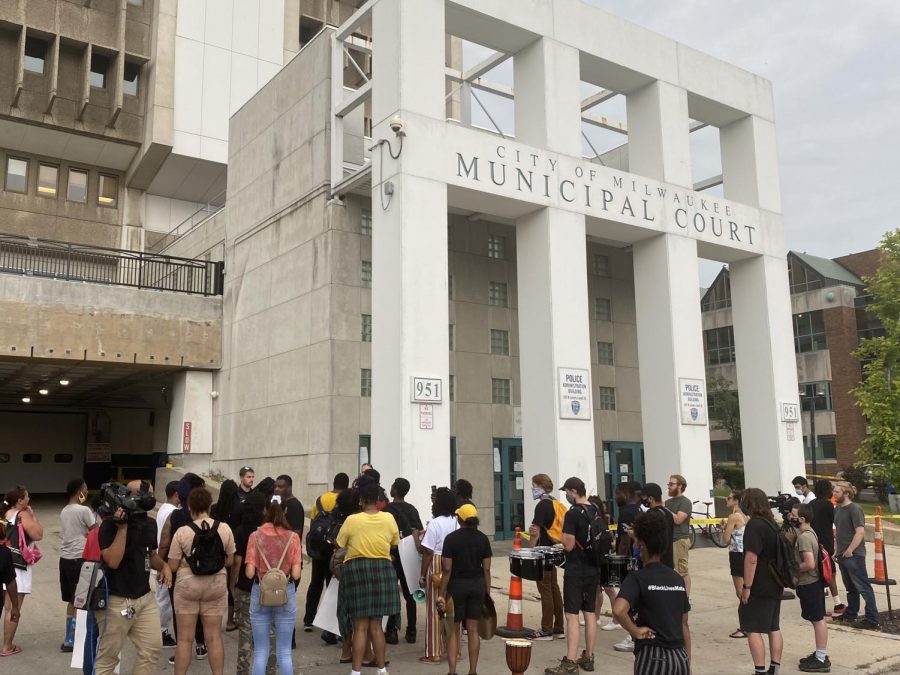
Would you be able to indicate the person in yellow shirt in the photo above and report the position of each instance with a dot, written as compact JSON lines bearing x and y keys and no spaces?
{"x":321,"y":572}
{"x":369,"y":588}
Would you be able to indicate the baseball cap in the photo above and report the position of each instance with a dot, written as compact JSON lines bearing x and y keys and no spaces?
{"x":467,"y":511}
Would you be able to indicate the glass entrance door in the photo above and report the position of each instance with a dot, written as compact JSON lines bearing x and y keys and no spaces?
{"x":509,"y":487}
{"x":622,"y":462}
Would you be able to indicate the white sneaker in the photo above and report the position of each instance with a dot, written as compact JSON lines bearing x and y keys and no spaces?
{"x":581,"y":620}
{"x":626,"y":645}
{"x":612,"y":625}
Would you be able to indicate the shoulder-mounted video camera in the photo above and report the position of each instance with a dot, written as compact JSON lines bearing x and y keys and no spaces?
{"x":115,"y":496}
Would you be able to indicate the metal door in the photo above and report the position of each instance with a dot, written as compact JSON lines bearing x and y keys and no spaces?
{"x":509,"y":487}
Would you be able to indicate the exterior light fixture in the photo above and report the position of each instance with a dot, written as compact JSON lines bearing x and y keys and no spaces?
{"x":43,"y":392}
{"x":64,"y":383}
{"x":26,"y":399}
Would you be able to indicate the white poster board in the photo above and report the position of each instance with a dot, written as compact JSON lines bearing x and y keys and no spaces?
{"x":77,"y":660}
{"x":410,"y":562}
{"x":326,"y":616}
{"x":692,"y":398}
{"x":574,"y":386}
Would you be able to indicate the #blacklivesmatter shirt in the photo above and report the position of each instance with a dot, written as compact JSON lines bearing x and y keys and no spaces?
{"x":658,"y":601}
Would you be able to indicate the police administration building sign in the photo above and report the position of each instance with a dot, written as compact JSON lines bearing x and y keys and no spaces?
{"x":574,"y":393}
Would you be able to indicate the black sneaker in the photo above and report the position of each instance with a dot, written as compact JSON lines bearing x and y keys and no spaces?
{"x":171,"y":660}
{"x":307,"y":628}
{"x":200,"y":652}
{"x":167,"y":640}
{"x":411,"y":636}
{"x":391,"y":636}
{"x":810,"y":657}
{"x":329,"y":638}
{"x":843,"y":619}
{"x":67,"y":648}
{"x":866,"y":624}
{"x":816,"y":666}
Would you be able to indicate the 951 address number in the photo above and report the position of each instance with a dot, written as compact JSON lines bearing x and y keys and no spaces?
{"x":427,"y":390}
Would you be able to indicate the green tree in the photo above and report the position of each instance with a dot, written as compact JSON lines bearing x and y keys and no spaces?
{"x":879,"y":394}
{"x":725,"y":411}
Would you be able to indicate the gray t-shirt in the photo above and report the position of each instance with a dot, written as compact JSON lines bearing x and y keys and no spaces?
{"x":681,"y":505}
{"x":846,"y":520}
{"x":807,"y":541}
{"x":76,"y":520}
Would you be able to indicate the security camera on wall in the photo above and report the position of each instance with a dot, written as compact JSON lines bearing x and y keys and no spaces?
{"x":397,"y":125}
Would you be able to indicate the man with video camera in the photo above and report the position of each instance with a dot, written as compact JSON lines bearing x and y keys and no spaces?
{"x":128,"y":549}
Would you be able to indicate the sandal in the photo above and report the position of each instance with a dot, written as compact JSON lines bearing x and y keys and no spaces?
{"x":430,"y":660}
{"x":16,"y":649}
{"x":738,"y":634}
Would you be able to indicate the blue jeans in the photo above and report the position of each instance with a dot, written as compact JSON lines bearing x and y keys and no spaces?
{"x":856,"y":581}
{"x":284,"y":618}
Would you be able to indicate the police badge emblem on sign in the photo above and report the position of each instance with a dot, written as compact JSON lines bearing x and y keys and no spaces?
{"x":694,"y":414}
{"x":576,"y":406}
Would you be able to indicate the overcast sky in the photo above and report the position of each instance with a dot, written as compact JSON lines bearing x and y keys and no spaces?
{"x":835,"y":68}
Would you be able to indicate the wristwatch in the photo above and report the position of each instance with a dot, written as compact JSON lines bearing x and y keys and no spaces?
{"x":746,"y":587}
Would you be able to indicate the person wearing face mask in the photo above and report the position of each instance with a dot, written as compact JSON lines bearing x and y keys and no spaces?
{"x":76,"y":520}
{"x":801,"y":489}
{"x":546,"y":530}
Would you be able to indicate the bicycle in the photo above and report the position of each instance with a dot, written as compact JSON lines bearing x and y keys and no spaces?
{"x":714,"y":531}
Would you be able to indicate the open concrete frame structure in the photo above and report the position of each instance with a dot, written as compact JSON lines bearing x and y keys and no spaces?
{"x":540,"y":182}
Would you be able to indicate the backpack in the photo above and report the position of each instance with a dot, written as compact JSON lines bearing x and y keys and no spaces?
{"x":826,"y":571}
{"x":273,"y":584}
{"x":555,"y":530}
{"x":319,"y":539}
{"x":207,"y":554}
{"x":596,"y":549}
{"x":784,"y":569}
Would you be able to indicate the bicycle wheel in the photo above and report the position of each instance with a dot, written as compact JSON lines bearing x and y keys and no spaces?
{"x":693,"y":536}
{"x":717,"y":534}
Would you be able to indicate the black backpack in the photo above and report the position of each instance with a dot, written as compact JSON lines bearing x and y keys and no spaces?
{"x":785,"y":569}
{"x":599,"y":542}
{"x":207,"y":555}
{"x":320,"y":538}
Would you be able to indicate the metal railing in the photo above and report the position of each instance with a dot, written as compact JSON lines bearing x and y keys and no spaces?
{"x":30,"y":256}
{"x":190,"y":223}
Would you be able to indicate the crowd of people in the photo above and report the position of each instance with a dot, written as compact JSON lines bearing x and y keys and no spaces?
{"x":237,"y":563}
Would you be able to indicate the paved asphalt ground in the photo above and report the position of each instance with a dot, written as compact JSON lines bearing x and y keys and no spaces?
{"x":712,"y":619}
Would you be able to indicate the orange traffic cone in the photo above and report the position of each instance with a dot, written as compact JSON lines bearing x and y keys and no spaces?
{"x":880,"y":575}
{"x":514,"y":626}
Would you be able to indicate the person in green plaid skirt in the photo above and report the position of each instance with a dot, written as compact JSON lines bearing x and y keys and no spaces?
{"x":368,"y":588}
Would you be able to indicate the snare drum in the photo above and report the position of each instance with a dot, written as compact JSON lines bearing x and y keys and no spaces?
{"x":553,"y":557}
{"x":527,"y":563}
{"x":618,"y":567}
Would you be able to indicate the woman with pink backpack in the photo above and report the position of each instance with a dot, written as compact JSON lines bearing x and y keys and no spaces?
{"x":21,"y":523}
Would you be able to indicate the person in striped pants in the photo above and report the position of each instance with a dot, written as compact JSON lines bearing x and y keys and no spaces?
{"x":444,"y":522}
{"x":653,"y":605}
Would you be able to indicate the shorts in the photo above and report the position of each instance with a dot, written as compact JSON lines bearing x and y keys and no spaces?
{"x":580,"y":594}
{"x":760,"y":615}
{"x":468,"y":598}
{"x":206,"y":596}
{"x":680,"y":548}
{"x":69,"y":571}
{"x":23,"y":581}
{"x":812,"y":601}
{"x":736,"y":563}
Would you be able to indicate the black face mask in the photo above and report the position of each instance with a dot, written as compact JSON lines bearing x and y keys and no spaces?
{"x":646,"y":502}
{"x":570,"y":499}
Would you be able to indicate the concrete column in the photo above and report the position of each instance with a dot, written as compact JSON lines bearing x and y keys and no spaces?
{"x":409,"y":253}
{"x":191,"y":416}
{"x":666,"y":289}
{"x":552,"y":280}
{"x":761,"y":308}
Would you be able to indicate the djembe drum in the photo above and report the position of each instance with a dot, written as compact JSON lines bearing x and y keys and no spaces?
{"x":518,"y":656}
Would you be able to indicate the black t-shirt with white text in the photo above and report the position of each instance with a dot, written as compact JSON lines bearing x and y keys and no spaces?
{"x":467,"y":548}
{"x":761,"y":538}
{"x":132,"y":578}
{"x":658,"y":601}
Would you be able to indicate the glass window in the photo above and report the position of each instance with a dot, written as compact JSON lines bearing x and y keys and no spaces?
{"x":802,"y":278}
{"x":809,"y":332}
{"x":500,"y":342}
{"x":602,"y":309}
{"x":365,"y":222}
{"x":48,"y":179}
{"x":99,"y":68}
{"x":826,"y":447}
{"x":496,"y":246}
{"x":35,"y":55}
{"x":724,"y":451}
{"x":109,"y":191}
{"x":32,"y":458}
{"x":76,"y":190}
{"x":63,"y":458}
{"x":719,"y":344}
{"x":452,"y":384}
{"x":601,"y":265}
{"x":449,"y":286}
{"x":366,"y":320}
{"x":500,"y":391}
{"x":451,"y":330}
{"x":822,"y":393}
{"x":605,"y":353}
{"x":16,"y":174}
{"x":606,"y":399}
{"x":366,"y":274}
{"x":136,"y":3}
{"x":365,"y":382}
{"x":309,"y":28}
{"x":130,"y":79}
{"x":718,"y":296}
{"x":498,"y":294}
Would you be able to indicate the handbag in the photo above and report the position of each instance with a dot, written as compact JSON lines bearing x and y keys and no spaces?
{"x":487,"y":624}
{"x":22,"y":556}
{"x":31,"y":553}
